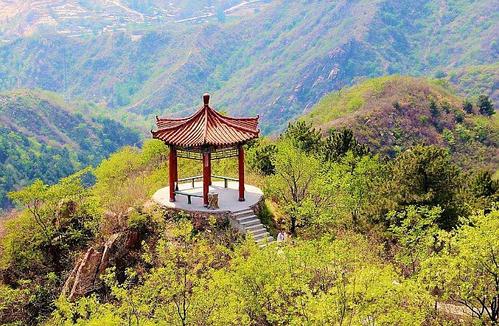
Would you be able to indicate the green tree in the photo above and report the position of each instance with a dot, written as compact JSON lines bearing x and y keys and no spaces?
{"x":296,"y":174}
{"x":354,"y":191}
{"x":435,"y":112}
{"x":427,"y":176}
{"x":485,"y":105}
{"x":467,"y":106}
{"x":57,"y":219}
{"x":339,"y":142}
{"x":467,"y":271}
{"x":417,"y":234}
{"x":318,"y":282}
{"x":482,"y":184}
{"x":304,"y":136}
{"x":260,"y":157}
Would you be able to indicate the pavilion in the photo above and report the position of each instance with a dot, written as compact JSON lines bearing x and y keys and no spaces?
{"x":206,"y":135}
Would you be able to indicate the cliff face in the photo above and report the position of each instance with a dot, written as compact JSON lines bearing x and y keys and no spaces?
{"x":85,"y":276}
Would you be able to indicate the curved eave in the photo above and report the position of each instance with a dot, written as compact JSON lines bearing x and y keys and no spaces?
{"x":206,"y":128}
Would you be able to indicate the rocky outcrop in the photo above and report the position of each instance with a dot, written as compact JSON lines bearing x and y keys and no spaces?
{"x":85,"y":276}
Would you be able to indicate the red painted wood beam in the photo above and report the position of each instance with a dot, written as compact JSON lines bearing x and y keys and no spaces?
{"x":172,"y":158}
{"x":209,"y":172}
{"x":176,"y":169}
{"x":241,"y":173}
{"x":206,"y":177}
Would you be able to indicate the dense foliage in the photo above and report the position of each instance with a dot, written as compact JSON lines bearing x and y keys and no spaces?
{"x":368,"y":233}
{"x":41,"y":138}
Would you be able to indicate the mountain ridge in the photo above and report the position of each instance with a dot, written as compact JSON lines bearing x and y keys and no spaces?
{"x":391,"y":114}
{"x":278,"y":61}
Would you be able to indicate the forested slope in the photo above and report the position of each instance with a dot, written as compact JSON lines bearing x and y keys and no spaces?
{"x":44,"y":138}
{"x":278,"y":61}
{"x":391,"y":114}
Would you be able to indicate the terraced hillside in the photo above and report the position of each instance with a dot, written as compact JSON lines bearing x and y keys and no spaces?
{"x":86,"y":18}
{"x":42,"y":137}
{"x":390,"y":114}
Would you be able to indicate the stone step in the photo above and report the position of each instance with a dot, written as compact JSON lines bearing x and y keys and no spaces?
{"x":261,"y":236}
{"x":247,"y":218}
{"x":254,"y":227}
{"x":264,"y":241}
{"x":250,"y":223}
{"x":257,"y":231}
{"x":242,"y":210}
{"x":244,"y":213}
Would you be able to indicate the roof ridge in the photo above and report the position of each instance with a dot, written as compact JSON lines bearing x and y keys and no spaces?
{"x":205,"y":131}
{"x":236,"y":118}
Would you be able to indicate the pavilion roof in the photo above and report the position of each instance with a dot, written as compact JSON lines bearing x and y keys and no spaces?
{"x":206,"y":127}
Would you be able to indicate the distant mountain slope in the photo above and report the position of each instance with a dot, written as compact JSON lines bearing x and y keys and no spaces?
{"x":278,"y":61}
{"x":41,"y":137}
{"x":76,"y":18}
{"x":393,"y":113}
{"x":473,"y":81}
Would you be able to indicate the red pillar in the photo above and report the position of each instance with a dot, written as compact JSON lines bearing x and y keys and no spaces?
{"x":241,"y":173}
{"x":176,"y":169}
{"x":209,"y":172}
{"x":172,"y":167}
{"x":206,"y":176}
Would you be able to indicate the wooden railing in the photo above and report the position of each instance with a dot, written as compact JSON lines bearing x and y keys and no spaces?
{"x":192,"y":180}
{"x":225,"y":179}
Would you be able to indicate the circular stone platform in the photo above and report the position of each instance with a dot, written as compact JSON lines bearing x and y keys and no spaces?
{"x":227,"y":197}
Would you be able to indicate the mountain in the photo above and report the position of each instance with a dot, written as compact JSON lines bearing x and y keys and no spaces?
{"x":41,"y":137}
{"x":75,"y":18}
{"x":276,"y":58}
{"x":390,"y":114}
{"x":472,"y":81}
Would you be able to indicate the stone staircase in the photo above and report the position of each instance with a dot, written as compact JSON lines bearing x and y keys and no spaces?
{"x":248,"y":223}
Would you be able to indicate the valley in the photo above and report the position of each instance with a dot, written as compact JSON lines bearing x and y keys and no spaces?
{"x":43,"y":137}
{"x":357,"y":141}
{"x":278,"y":61}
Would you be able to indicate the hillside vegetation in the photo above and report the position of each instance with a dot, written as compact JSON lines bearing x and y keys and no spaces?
{"x":278,"y":62}
{"x":366,"y":233}
{"x":44,"y":138}
{"x":391,"y":114}
{"x":472,"y":81}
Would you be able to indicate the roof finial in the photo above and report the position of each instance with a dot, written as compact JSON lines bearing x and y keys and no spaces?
{"x":206,"y":99}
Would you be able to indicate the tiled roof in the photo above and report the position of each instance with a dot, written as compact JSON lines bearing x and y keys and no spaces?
{"x":206,"y":127}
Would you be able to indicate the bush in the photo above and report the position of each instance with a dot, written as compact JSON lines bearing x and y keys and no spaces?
{"x":485,"y":105}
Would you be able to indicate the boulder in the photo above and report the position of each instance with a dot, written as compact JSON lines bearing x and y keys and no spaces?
{"x":85,"y":276}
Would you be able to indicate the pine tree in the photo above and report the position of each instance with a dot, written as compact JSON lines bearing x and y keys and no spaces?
{"x":485,"y":105}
